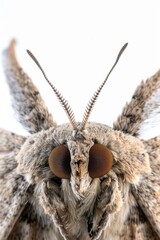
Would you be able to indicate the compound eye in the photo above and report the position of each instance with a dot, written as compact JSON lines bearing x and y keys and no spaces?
{"x":59,"y":162}
{"x":100,"y":161}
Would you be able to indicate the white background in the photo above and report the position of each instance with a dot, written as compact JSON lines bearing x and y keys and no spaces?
{"x":77,"y":42}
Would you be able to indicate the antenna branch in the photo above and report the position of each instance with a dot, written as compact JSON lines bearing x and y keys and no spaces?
{"x":93,"y":99}
{"x":61,"y":99}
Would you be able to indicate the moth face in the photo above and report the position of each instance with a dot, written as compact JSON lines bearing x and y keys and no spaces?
{"x":81,"y":157}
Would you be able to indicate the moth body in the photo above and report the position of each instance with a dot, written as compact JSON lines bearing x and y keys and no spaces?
{"x":79,"y":180}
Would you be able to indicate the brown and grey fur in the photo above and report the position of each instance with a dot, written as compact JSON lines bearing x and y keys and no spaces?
{"x":36,"y":205}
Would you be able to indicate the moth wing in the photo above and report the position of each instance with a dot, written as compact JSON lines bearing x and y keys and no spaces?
{"x":18,"y":216}
{"x":27,"y":102}
{"x":30,"y":226}
{"x":13,"y":199}
{"x":143,"y":111}
{"x":147,"y":193}
{"x":13,"y":187}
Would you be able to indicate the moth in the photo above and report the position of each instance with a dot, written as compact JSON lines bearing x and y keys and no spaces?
{"x":79,"y":180}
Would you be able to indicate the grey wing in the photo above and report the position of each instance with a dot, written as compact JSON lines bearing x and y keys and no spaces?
{"x":27,"y":102}
{"x":18,"y":215}
{"x":30,"y":227}
{"x":143,"y":110}
{"x":147,"y":193}
{"x":143,"y":107}
{"x":13,"y":187}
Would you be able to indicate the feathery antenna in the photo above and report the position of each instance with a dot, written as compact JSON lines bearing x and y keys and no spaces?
{"x":93,"y":99}
{"x":61,"y":99}
{"x":97,"y":92}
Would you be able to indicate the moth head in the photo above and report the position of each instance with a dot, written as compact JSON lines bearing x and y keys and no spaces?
{"x":80,"y":160}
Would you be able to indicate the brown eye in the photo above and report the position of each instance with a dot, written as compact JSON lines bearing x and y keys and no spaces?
{"x":100,"y":160}
{"x":59,"y":162}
